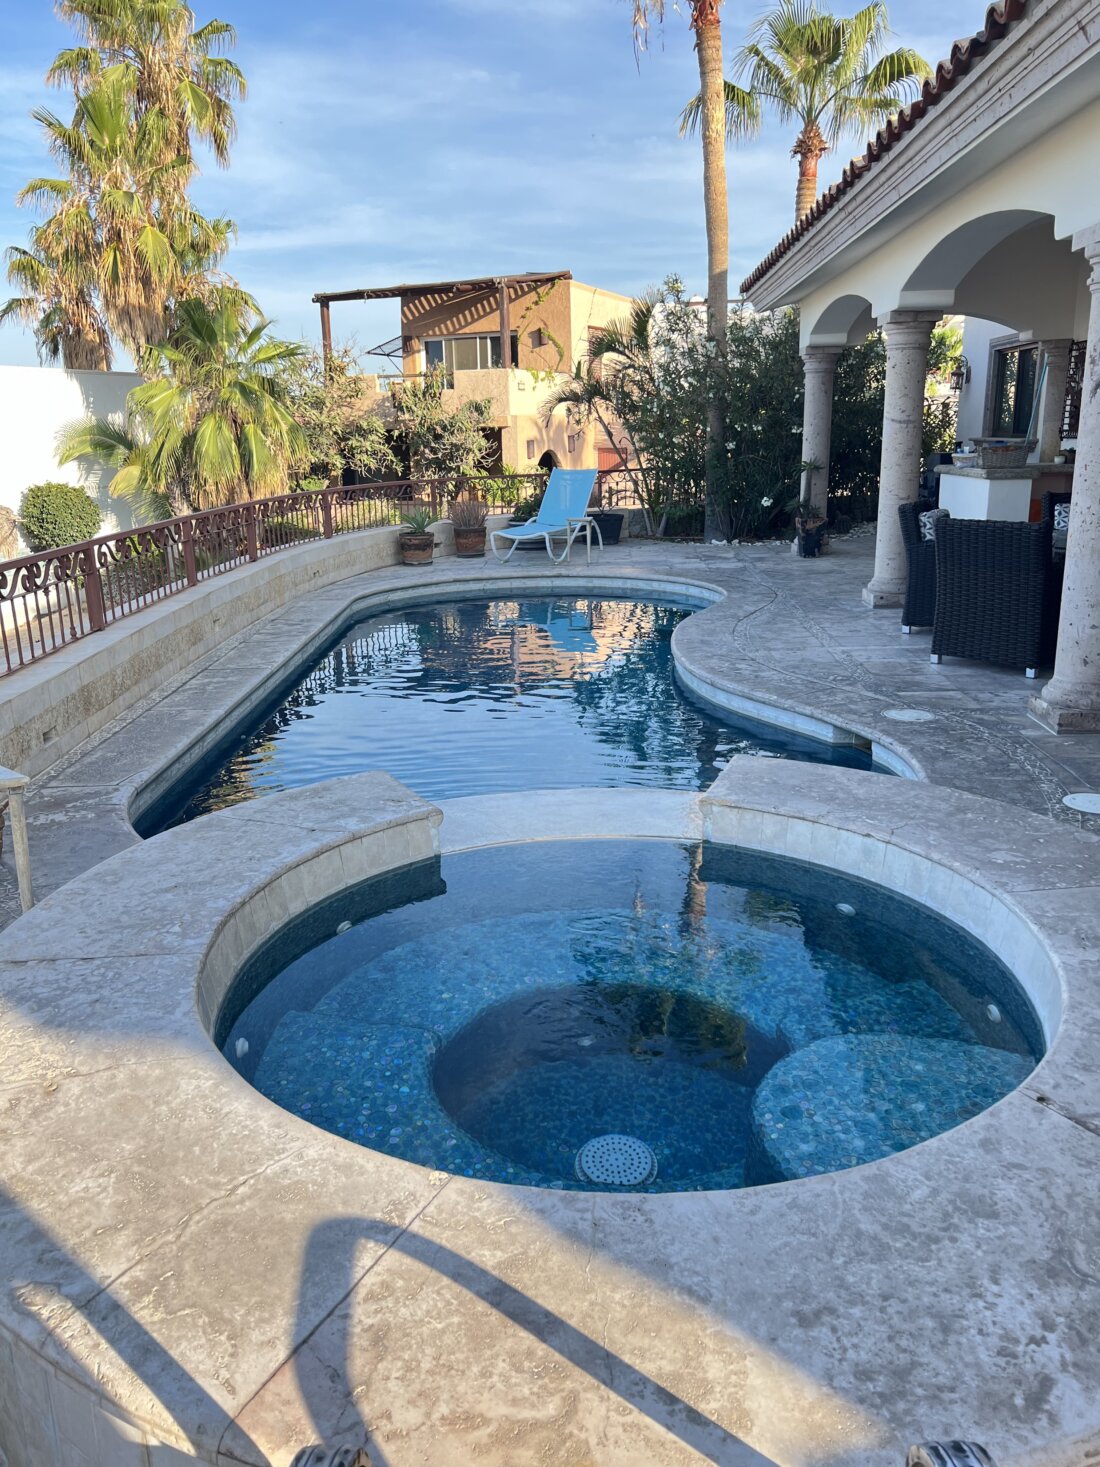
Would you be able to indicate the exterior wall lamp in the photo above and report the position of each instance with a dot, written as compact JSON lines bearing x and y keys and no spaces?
{"x":961,"y":375}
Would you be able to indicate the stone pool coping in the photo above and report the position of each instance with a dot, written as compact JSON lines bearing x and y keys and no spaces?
{"x":189,"y":1264}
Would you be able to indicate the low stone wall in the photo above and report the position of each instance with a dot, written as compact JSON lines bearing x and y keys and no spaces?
{"x":50,"y":707}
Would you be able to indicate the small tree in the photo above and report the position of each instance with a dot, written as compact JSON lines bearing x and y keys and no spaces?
{"x":54,"y":514}
{"x":442,"y":442}
{"x":327,"y":405}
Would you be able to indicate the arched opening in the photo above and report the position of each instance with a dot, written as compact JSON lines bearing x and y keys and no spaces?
{"x":844,"y":322}
{"x":1005,"y":267}
{"x":1024,"y":295}
{"x":549,"y":461}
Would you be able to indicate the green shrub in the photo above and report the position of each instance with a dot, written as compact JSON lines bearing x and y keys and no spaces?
{"x":527,"y":509}
{"x":54,"y":514}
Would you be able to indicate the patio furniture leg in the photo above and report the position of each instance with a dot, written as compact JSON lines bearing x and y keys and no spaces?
{"x":496,"y":552}
{"x":905,"y":631}
{"x":1031,"y":672}
{"x":936,"y":658}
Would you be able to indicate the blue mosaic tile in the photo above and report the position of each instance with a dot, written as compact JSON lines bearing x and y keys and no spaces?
{"x":841,"y":1102}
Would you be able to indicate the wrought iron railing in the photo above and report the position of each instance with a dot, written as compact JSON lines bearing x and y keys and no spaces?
{"x":50,"y":600}
{"x":1075,"y":387}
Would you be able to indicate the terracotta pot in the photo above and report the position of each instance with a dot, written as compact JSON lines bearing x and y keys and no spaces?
{"x":416,"y":549}
{"x":470,"y":543}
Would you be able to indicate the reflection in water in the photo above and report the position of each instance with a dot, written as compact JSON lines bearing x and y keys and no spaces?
{"x":476,"y":697}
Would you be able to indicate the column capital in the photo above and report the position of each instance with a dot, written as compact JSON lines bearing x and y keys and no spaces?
{"x":821,"y":358}
{"x":909,"y":328}
{"x":1088,"y":242}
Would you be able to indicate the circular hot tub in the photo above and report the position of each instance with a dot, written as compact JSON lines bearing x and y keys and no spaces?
{"x":628,"y":1015}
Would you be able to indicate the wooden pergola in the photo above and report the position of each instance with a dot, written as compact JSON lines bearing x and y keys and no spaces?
{"x":481,"y":285}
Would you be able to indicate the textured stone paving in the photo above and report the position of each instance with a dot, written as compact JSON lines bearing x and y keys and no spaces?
{"x":790,"y":631}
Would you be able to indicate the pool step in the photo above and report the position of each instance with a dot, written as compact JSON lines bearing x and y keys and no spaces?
{"x":859,"y":1097}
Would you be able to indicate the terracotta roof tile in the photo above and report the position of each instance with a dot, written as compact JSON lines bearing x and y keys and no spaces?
{"x":964,"y":56}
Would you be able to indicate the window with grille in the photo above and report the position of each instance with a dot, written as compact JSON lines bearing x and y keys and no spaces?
{"x":1075,"y":381}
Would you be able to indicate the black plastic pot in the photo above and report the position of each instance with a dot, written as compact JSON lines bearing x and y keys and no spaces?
{"x":811,"y":539}
{"x":610,"y":522}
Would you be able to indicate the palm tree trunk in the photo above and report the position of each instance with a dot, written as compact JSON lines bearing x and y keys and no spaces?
{"x":708,"y":48}
{"x":809,"y":150}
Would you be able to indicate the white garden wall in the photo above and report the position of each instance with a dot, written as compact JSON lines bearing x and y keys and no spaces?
{"x":35,"y":403}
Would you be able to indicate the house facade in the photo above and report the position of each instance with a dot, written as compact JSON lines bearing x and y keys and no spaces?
{"x":982,"y":198}
{"x":505,"y":339}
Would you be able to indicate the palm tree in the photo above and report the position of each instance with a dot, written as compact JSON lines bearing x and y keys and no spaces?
{"x":826,"y":73}
{"x":122,"y":213}
{"x":124,"y":243}
{"x":173,"y":69}
{"x":706,"y":22}
{"x":211,"y":427}
{"x":58,"y":299}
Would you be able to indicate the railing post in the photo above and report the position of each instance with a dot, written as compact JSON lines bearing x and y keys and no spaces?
{"x":17,"y":806}
{"x":93,"y":590}
{"x":187,"y":544}
{"x":326,"y":513}
{"x":251,"y":536}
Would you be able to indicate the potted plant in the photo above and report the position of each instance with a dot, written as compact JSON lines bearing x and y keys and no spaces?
{"x":416,"y":541}
{"x":468,"y":518}
{"x":610,"y":522}
{"x":809,"y":522}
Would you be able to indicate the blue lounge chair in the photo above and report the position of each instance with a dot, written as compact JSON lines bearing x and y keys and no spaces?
{"x":562,"y":512}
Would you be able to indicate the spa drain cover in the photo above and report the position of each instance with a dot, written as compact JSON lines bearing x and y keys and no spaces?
{"x":616,"y":1161}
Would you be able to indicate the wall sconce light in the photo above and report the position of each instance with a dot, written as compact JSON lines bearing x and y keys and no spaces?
{"x":961,"y":375}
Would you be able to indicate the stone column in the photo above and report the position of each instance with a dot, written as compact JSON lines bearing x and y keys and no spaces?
{"x":1056,"y":356}
{"x":819,"y":364}
{"x":1070,"y":702}
{"x":908,"y":337}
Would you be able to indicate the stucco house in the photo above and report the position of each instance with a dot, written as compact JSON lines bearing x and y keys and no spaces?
{"x":983,"y":199}
{"x":507,"y":339}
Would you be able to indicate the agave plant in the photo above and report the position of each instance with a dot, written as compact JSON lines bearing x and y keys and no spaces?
{"x":418,"y":520}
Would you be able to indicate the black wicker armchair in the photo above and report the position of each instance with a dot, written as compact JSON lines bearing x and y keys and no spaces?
{"x":919,"y":609}
{"x":998,"y":592}
{"x":1052,"y":498}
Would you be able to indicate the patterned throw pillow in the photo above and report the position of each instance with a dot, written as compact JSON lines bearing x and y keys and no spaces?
{"x":1061,"y":516}
{"x":928,"y":522}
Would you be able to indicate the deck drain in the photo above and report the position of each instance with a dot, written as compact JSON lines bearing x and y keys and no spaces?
{"x":909,"y":715}
{"x":616,"y":1161}
{"x":1086,"y":803}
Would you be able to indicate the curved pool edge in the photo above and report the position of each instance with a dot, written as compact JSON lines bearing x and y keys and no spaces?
{"x":262,"y":1232}
{"x":712,"y":685}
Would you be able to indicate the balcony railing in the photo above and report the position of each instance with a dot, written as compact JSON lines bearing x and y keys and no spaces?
{"x":50,"y":600}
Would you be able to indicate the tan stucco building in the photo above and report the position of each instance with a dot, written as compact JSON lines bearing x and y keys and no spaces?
{"x":507,"y":339}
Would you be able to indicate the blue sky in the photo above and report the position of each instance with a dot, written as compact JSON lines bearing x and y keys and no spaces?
{"x":387,"y":140}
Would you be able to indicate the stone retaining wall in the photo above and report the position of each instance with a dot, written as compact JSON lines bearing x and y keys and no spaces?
{"x":49,"y":708}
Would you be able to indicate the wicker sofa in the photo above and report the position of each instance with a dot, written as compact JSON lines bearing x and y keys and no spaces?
{"x":998,"y":591}
{"x":919,"y":609}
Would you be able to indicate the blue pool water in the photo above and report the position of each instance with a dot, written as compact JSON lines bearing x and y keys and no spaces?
{"x":477,"y":697}
{"x":491,"y":1014}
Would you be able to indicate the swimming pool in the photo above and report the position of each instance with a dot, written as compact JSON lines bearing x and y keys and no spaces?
{"x":482,"y":696}
{"x":610,"y":1014}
